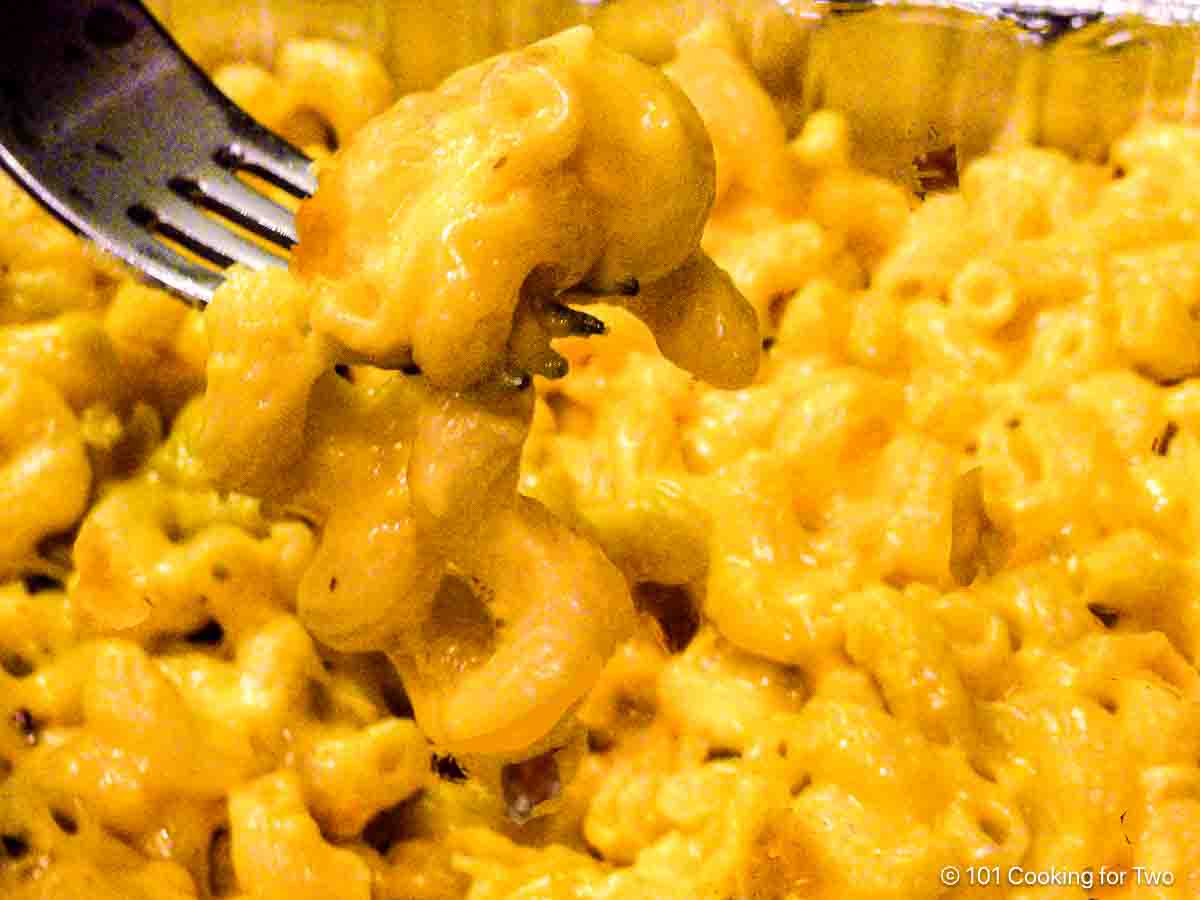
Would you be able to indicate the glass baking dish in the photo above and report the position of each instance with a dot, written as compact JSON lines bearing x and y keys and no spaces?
{"x":924,"y":89}
{"x":923,"y":86}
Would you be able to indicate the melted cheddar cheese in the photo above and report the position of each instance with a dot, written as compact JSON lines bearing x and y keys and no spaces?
{"x":281,"y":621}
{"x":442,"y":235}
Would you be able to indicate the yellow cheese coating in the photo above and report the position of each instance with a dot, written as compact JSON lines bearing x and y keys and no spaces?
{"x":919,"y":595}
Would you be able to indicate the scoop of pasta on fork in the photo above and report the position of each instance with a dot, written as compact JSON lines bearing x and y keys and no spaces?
{"x":448,"y":229}
{"x":449,"y":235}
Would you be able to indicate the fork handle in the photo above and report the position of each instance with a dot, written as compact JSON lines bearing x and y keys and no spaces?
{"x":71,"y":72}
{"x":100,"y":110}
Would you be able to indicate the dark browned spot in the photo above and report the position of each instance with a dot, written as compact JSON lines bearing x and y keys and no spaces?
{"x":994,"y":828}
{"x":15,"y":665}
{"x":15,"y":845}
{"x":1161,"y":445}
{"x":984,"y":770}
{"x":222,"y":880}
{"x":883,"y":700}
{"x":394,"y":695}
{"x":392,"y":825}
{"x":26,"y":726}
{"x":717,"y":754}
{"x":220,"y":572}
{"x":801,"y":784}
{"x":57,"y":548}
{"x":937,"y":170}
{"x":776,"y":306}
{"x":1108,"y":617}
{"x":65,"y":821}
{"x":38,"y":583}
{"x":1161,"y":382}
{"x":529,"y":784}
{"x":672,"y":607}
{"x":599,"y":741}
{"x":380,"y":832}
{"x":447,"y":769}
{"x":210,"y":634}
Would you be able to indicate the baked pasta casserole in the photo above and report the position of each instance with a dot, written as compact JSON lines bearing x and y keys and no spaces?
{"x":622,"y":495}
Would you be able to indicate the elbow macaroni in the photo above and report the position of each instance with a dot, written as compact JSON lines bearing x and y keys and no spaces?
{"x":918,"y":594}
{"x":511,"y":193}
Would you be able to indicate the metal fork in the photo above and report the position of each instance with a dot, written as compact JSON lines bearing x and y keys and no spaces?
{"x":107,"y":122}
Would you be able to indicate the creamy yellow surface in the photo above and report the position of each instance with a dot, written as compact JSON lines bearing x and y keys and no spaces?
{"x":440,"y":236}
{"x":920,"y":598}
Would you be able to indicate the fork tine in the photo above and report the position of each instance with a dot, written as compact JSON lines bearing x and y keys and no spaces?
{"x":180,"y":220}
{"x":175,"y":272}
{"x":122,"y":140}
{"x":238,"y":201}
{"x":262,"y":153}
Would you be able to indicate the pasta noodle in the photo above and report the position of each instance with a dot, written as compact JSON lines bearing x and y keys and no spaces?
{"x":859,"y":548}
{"x":543,"y":204}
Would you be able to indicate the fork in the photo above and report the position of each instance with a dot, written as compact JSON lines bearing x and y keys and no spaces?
{"x":108,"y":123}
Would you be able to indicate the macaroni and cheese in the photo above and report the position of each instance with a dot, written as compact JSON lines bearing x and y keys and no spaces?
{"x":312,"y":595}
